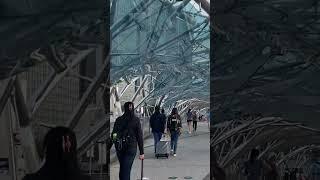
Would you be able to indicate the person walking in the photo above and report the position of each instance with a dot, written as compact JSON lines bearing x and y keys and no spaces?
{"x":126,"y":135}
{"x":200,"y":117}
{"x":60,"y":149}
{"x":189,"y":120}
{"x":195,"y":121}
{"x":157,"y":123}
{"x":174,"y":126}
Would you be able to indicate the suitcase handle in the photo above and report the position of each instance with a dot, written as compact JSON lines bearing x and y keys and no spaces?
{"x":142,"y":169}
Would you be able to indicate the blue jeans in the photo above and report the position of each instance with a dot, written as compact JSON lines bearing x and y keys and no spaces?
{"x":126,"y":160}
{"x":157,"y":136}
{"x":174,"y":140}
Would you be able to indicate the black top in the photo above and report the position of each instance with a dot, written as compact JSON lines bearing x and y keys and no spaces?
{"x":194,"y":117}
{"x":158,"y":122}
{"x":174,"y":122}
{"x":135,"y":130}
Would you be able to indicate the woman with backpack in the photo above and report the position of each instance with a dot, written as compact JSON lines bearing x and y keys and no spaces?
{"x":126,"y":135}
{"x":174,"y":126}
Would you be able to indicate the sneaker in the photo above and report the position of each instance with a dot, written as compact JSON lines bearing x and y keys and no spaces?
{"x":174,"y":154}
{"x":171,"y":151}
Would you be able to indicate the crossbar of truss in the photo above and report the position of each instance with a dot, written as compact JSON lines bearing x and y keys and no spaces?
{"x":6,"y":92}
{"x":53,"y":80}
{"x":86,"y":98}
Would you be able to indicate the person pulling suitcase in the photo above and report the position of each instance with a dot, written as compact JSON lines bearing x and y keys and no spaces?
{"x":127,"y":135}
{"x":157,"y":124}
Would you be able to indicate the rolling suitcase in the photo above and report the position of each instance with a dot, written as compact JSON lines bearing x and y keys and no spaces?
{"x":162,"y":148}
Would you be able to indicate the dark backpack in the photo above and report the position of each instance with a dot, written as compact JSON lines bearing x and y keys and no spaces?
{"x":122,"y":139}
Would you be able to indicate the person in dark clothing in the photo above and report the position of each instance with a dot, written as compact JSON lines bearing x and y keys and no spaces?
{"x":174,"y":126}
{"x":60,"y":147}
{"x":165,"y":117}
{"x":157,"y":123}
{"x":130,"y":123}
{"x":189,"y":119}
{"x":162,"y":112}
{"x":195,"y":121}
{"x":200,"y":118}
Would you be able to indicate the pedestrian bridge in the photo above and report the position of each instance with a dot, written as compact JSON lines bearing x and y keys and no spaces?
{"x":192,"y":160}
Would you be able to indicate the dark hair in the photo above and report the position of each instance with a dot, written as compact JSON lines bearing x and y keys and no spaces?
{"x":157,"y":109}
{"x":126,"y":107}
{"x":162,"y":110}
{"x":254,"y":154}
{"x":127,"y":112}
{"x":60,"y":145}
{"x":174,"y":111}
{"x":189,"y":110}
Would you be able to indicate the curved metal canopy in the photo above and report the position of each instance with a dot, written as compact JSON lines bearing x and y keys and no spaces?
{"x":168,"y":41}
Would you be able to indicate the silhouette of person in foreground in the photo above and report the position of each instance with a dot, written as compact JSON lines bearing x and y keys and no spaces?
{"x":60,"y":147}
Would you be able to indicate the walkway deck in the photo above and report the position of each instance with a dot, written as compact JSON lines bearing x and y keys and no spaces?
{"x":193,"y":159}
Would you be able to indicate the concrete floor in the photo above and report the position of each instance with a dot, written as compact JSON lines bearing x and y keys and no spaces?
{"x":193,"y":159}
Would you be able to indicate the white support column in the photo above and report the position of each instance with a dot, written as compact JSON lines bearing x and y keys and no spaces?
{"x":24,"y":130}
{"x":139,"y":89}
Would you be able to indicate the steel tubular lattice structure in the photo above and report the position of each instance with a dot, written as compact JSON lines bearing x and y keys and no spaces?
{"x":168,"y":43}
{"x":233,"y":140}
